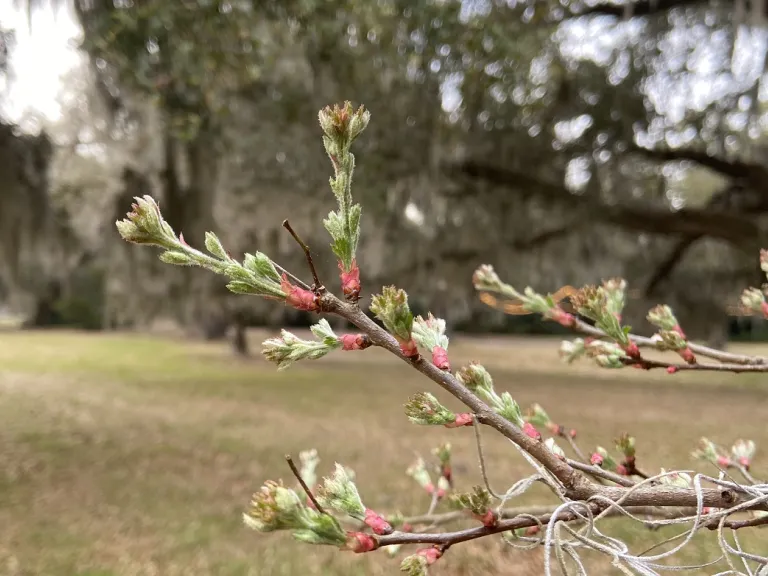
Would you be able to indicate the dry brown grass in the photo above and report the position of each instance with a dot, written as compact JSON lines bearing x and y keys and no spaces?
{"x":127,"y":455}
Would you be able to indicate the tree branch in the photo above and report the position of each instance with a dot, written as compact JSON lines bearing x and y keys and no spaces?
{"x":734,"y":228}
{"x":577,"y":486}
{"x":638,"y":8}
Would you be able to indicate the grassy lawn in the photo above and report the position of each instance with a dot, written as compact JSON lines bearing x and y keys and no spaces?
{"x":127,"y":454}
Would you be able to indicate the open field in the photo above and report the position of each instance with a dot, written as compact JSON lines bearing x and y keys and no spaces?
{"x":127,"y":454}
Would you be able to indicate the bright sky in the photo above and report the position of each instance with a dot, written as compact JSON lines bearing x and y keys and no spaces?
{"x":38,"y":59}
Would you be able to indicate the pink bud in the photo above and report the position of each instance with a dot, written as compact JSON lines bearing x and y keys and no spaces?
{"x":562,"y":317}
{"x":406,"y":527}
{"x":409,"y":349}
{"x":723,"y":461}
{"x":489,"y":519}
{"x":632,"y":350}
{"x":440,"y":358}
{"x":360,"y":542}
{"x":532,"y":530}
{"x":430,"y":488}
{"x":744,"y":461}
{"x":764,"y":309}
{"x":299,"y":298}
{"x":350,"y":281}
{"x":687,"y":355}
{"x":354,"y":342}
{"x":680,"y":331}
{"x":596,"y":459}
{"x":531,"y":431}
{"x":572,"y":432}
{"x":554,"y":429}
{"x":431,"y":554}
{"x":181,"y":239}
{"x":377,"y":523}
{"x":671,"y":369}
{"x":622,"y":470}
{"x":464,"y":419}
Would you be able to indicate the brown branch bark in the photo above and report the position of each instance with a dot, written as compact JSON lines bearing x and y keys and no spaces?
{"x":577,"y":486}
{"x":735,"y":228}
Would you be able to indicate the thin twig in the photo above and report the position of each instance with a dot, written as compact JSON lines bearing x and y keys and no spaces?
{"x":303,"y":484}
{"x":574,"y":446}
{"x":479,"y":531}
{"x":601,"y":473}
{"x":699,"y":350}
{"x":292,"y":277}
{"x":318,"y":287}
{"x":481,"y":458}
{"x":744,"y":472}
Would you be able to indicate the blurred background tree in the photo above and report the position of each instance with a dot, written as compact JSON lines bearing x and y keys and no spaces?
{"x":563,"y":142}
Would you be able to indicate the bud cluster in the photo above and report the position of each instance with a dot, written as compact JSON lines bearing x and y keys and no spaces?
{"x":391,"y":308}
{"x":711,"y":452}
{"x":607,"y":354}
{"x":603,"y":305}
{"x":418,"y":471}
{"x":338,"y":492}
{"x":485,"y":278}
{"x":256,"y":275}
{"x":536,"y":416}
{"x":477,"y":379}
{"x":430,"y":334}
{"x":670,"y":335}
{"x":424,"y":409}
{"x":417,"y":564}
{"x":289,"y":348}
{"x":478,"y":504}
{"x":341,"y":125}
{"x":275,"y":507}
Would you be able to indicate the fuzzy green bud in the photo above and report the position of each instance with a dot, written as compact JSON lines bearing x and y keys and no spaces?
{"x":391,"y":307}
{"x":289,"y":348}
{"x":340,"y":493}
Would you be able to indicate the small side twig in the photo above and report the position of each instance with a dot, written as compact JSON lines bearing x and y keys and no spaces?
{"x":481,"y":458}
{"x":574,"y":446}
{"x":601,"y":473}
{"x":744,"y":472}
{"x":296,"y":473}
{"x":318,"y":287}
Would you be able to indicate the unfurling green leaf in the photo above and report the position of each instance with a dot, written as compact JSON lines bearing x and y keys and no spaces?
{"x":289,"y":348}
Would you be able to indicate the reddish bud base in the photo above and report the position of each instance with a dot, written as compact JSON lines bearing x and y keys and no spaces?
{"x":672,"y":369}
{"x":596,"y":459}
{"x":440,"y":358}
{"x":353,"y":342}
{"x":299,"y":298}
{"x":464,"y":419}
{"x":531,"y":431}
{"x":360,"y":542}
{"x":622,"y":470}
{"x":680,"y":331}
{"x":744,"y":461}
{"x":723,"y":462}
{"x":687,"y":355}
{"x":350,"y":280}
{"x":562,"y":317}
{"x":489,"y":519}
{"x":377,"y":523}
{"x":409,"y":348}
{"x":764,"y":309}
{"x":632,"y":350}
{"x":431,"y":554}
